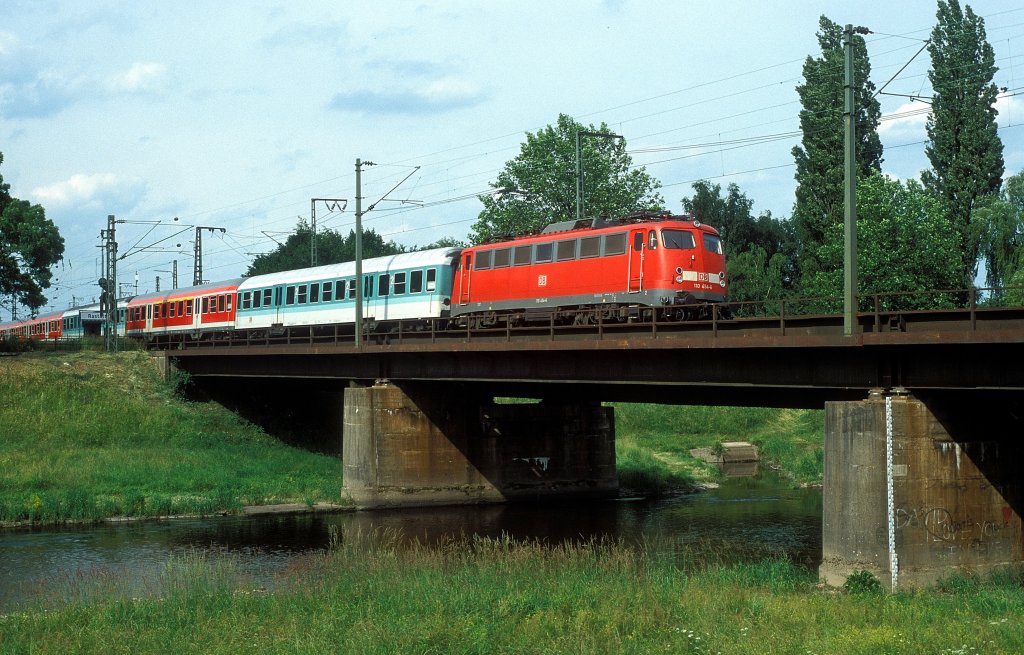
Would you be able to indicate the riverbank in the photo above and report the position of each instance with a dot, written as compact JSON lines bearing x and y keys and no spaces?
{"x":87,"y":436}
{"x":373,"y":594}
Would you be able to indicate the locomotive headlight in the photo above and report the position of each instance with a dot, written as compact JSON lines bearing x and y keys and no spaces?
{"x":679,"y":279}
{"x":721,"y":279}
{"x":679,"y":270}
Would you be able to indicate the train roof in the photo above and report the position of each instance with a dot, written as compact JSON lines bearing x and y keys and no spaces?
{"x":187,"y":291}
{"x":603,"y":223}
{"x":434,"y":257}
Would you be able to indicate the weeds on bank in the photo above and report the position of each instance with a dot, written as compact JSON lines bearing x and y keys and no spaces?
{"x":380,"y":593}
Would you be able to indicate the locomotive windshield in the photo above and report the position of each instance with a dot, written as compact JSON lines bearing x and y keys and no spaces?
{"x":712,"y":243}
{"x":678,"y":239}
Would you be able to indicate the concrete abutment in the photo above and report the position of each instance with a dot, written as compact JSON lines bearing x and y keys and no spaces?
{"x":423,"y":444}
{"x":955,"y":489}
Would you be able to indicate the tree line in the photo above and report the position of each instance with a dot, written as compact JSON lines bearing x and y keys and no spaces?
{"x":914,"y":235}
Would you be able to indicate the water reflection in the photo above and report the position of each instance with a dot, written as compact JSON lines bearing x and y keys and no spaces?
{"x":745,"y":518}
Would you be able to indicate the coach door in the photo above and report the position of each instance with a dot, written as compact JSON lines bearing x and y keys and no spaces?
{"x":464,"y":277}
{"x":636,"y":261}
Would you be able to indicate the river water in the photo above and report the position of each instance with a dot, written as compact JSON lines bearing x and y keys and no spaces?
{"x":744,"y":519}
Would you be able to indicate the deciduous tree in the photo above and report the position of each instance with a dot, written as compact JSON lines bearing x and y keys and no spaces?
{"x":331,"y":248}
{"x":29,"y":245}
{"x":538,"y":187}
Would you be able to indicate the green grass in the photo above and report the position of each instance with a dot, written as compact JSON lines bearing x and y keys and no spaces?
{"x":653,"y":442}
{"x":374,"y":595}
{"x":86,"y":435}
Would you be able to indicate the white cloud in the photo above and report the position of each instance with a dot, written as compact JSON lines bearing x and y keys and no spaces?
{"x":105,"y":191}
{"x":908,"y":120}
{"x":1010,"y":109}
{"x":142,"y":76}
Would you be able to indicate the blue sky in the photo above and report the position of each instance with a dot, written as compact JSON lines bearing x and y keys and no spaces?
{"x":236,"y":114}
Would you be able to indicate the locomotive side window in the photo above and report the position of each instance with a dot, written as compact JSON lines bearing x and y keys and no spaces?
{"x":590,"y":247}
{"x":543,"y":253}
{"x":652,"y":240}
{"x":399,"y":284}
{"x":483,"y":260}
{"x":416,"y":282}
{"x":566,"y":250}
{"x":678,"y":239}
{"x":328,"y":292}
{"x":431,"y":279}
{"x":614,"y":244}
{"x":383,"y":284}
{"x":712,"y":243}
{"x":502,"y":256}
{"x":521,"y":255}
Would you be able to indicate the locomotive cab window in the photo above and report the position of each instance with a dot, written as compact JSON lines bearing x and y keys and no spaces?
{"x":652,"y":240}
{"x":678,"y":239}
{"x":483,"y":260}
{"x":590,"y":247}
{"x":712,"y":243}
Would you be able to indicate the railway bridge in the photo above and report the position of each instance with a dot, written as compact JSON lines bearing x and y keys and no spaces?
{"x":924,"y":413}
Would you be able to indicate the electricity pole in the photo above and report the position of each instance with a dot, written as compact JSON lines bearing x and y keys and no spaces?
{"x":332,"y":205}
{"x":108,"y":285}
{"x":580,"y":211}
{"x":359,"y":250}
{"x":850,"y":186}
{"x":197,"y":266}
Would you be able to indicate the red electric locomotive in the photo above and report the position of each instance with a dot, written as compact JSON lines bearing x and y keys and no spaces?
{"x":620,"y":267}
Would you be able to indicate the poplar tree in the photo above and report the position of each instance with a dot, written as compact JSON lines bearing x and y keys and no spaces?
{"x":964,"y":147}
{"x":819,"y":158}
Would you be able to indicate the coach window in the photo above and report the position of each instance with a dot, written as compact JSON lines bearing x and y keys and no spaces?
{"x":399,"y":284}
{"x":502,"y":256}
{"x":149,"y":311}
{"x":614,"y":244}
{"x":181,"y":308}
{"x":521,"y":255}
{"x":314,"y":292}
{"x":328,"y":293}
{"x":367,"y":286}
{"x":678,"y":239}
{"x":352,"y":288}
{"x":383,"y":284}
{"x":173,"y":307}
{"x":566,"y":250}
{"x":483,"y":260}
{"x":416,"y":282}
{"x":188,"y":307}
{"x":163,"y":312}
{"x":302,"y":294}
{"x":290,"y":296}
{"x":268,"y":295}
{"x":339,"y":289}
{"x":590,"y":247}
{"x":652,"y":240}
{"x":431,"y":279}
{"x":543,"y":253}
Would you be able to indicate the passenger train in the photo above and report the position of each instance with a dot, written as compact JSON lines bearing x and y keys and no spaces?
{"x":647,"y":263}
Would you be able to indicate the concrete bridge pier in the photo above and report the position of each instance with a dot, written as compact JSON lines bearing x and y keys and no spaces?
{"x":921,"y":488}
{"x":442,"y":444}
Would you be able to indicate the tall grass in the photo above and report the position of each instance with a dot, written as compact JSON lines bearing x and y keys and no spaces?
{"x":88,"y":435}
{"x":372,"y":594}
